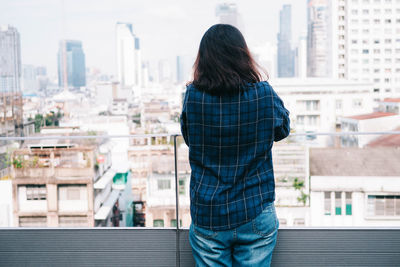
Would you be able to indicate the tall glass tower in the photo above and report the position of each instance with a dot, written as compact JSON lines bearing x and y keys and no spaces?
{"x":11,"y":122}
{"x":71,"y":64}
{"x":285,"y":51}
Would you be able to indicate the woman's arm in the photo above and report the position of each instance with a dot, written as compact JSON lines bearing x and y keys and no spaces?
{"x":281,"y":118}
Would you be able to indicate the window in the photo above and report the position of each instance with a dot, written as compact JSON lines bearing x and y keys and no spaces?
{"x":327,"y":203}
{"x":365,"y":51}
{"x":300,"y":120}
{"x":182,"y":186}
{"x":173,"y":222}
{"x":33,"y":221}
{"x":348,"y":203}
{"x":158,"y":223}
{"x":378,"y":205}
{"x":163,"y":184}
{"x":299,"y":221}
{"x":339,"y":104}
{"x":69,"y":221}
{"x":338,"y":203}
{"x":71,"y":192}
{"x":36,"y":192}
{"x":357,"y":103}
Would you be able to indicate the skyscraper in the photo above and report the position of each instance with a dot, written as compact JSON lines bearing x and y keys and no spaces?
{"x":71,"y":64}
{"x":228,"y":14}
{"x":285,"y":51}
{"x":129,"y":63}
{"x":11,"y":121}
{"x":367,"y":36}
{"x":319,"y":52}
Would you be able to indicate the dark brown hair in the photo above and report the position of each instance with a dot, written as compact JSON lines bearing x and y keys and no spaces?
{"x":224,"y":63}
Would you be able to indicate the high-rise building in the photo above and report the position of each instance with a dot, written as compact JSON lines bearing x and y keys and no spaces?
{"x":319,"y":45}
{"x":29,"y":80}
{"x":368,"y":43}
{"x":179,"y":69}
{"x":285,"y":51}
{"x":11,"y":121}
{"x":129,"y":65}
{"x":228,"y":14}
{"x":301,"y":58}
{"x":71,"y":64}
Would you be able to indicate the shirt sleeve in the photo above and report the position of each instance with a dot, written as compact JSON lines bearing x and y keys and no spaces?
{"x":281,"y":118}
{"x":183,"y":119}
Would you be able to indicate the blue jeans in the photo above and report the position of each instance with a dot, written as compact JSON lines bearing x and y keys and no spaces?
{"x":250,"y":244}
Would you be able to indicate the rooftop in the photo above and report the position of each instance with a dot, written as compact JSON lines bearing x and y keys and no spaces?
{"x":355,"y":161}
{"x":373,"y":115}
{"x":392,"y":140}
{"x":392,"y":100}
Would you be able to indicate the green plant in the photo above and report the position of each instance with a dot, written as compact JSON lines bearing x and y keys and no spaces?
{"x":298,"y":185}
{"x":303,"y":198}
{"x":18,"y":162}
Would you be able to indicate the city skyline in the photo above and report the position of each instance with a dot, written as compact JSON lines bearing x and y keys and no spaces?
{"x":94,"y":25}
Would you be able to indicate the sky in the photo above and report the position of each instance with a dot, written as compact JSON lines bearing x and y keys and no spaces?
{"x":166,"y":28}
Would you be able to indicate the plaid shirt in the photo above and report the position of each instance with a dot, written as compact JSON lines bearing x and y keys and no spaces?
{"x":230,"y":139}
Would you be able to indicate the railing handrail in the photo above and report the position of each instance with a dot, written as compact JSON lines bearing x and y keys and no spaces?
{"x":70,"y":137}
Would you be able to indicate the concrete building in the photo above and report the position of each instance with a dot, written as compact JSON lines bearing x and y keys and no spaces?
{"x":11,"y":114}
{"x":153,"y":180}
{"x":319,"y":45}
{"x":317,"y":105}
{"x":371,"y":122}
{"x":364,"y":42}
{"x":291,"y":170}
{"x":6,"y":203}
{"x":355,"y":187}
{"x":129,"y":65}
{"x":71,"y":64}
{"x":63,"y":183}
{"x":227,"y":13}
{"x":286,"y":64}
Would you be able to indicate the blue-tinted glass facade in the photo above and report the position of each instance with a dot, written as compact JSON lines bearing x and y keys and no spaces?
{"x":74,"y":67}
{"x":286,"y":54}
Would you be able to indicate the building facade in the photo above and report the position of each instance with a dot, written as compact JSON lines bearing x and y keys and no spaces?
{"x":286,"y":55}
{"x":71,"y":64}
{"x":11,"y":113}
{"x":129,"y":63}
{"x":319,"y":52}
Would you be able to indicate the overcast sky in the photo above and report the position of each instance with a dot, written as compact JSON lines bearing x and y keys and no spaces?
{"x":167,"y":28}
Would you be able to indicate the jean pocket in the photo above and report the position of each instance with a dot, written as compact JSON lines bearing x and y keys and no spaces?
{"x":205,"y":233}
{"x":266,"y":223}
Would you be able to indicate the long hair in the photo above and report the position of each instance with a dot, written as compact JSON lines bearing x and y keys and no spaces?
{"x":224,"y":63}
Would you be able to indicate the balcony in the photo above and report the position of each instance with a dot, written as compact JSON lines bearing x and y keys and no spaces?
{"x":337,"y":241}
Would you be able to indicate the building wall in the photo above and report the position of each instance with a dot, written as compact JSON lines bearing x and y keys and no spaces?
{"x":360,"y":188}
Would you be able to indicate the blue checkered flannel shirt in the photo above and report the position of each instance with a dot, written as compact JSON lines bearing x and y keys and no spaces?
{"x":230,"y":139}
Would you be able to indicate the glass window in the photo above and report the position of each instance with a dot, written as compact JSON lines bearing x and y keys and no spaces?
{"x":383,"y":205}
{"x":182,"y":186}
{"x":348,"y":203}
{"x":338,"y":203}
{"x":163,"y":184}
{"x":158,"y":223}
{"x":36,"y":192}
{"x":327,"y":203}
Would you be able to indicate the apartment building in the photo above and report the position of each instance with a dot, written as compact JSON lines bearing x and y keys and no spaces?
{"x":61,"y":183}
{"x":366,"y":44}
{"x":316,"y":104}
{"x":355,"y":187}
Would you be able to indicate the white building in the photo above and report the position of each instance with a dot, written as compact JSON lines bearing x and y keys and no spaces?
{"x":355,"y":187}
{"x":6,"y":203}
{"x":367,"y":36}
{"x":316,"y":105}
{"x":319,"y":43}
{"x":291,"y":167}
{"x":128,"y":56}
{"x":372,"y":122}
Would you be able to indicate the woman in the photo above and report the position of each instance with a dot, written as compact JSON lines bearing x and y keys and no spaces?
{"x":230,"y":119}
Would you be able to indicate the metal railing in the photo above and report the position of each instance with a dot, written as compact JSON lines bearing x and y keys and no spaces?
{"x":278,"y":261}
